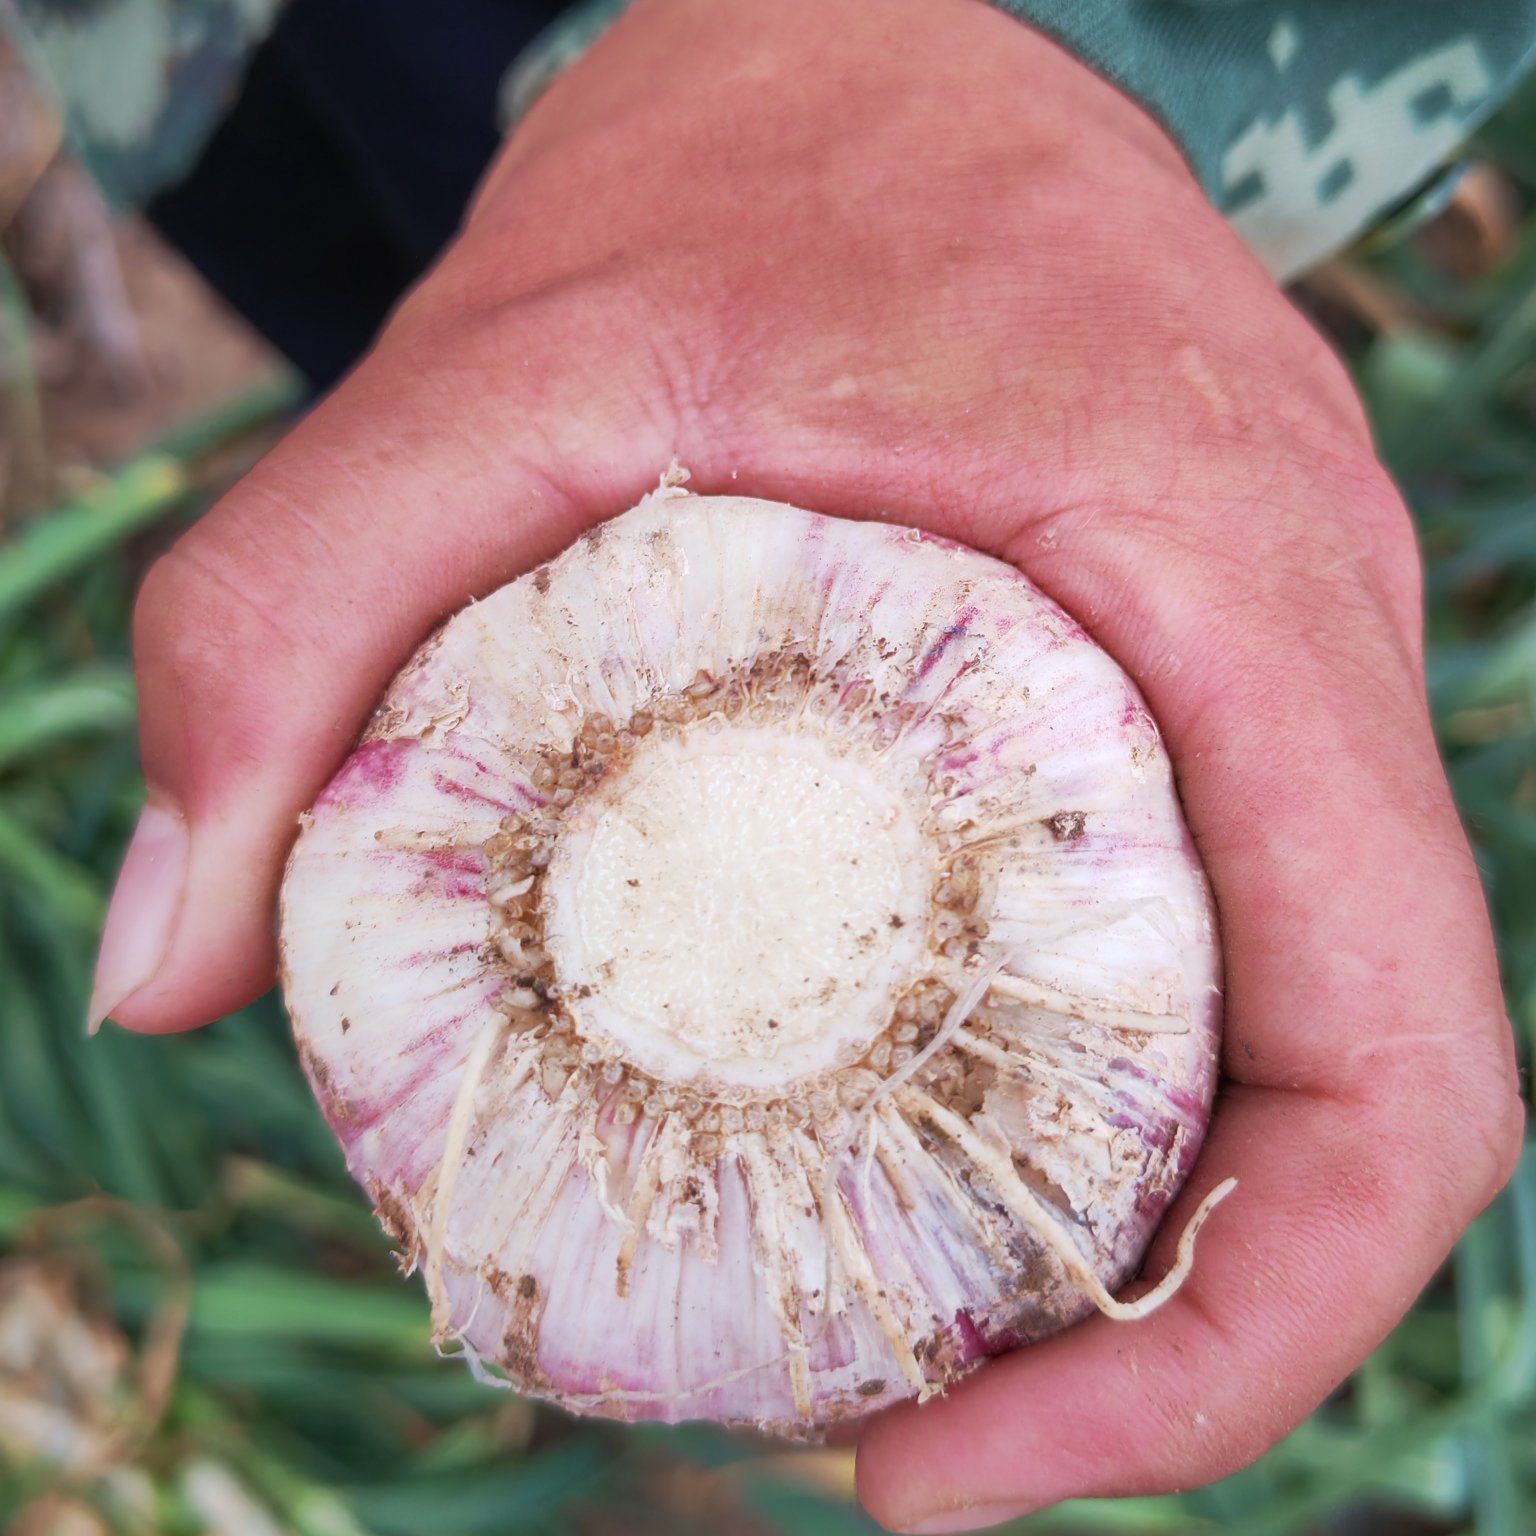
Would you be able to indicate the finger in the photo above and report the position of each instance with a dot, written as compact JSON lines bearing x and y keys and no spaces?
{"x":265,"y":637}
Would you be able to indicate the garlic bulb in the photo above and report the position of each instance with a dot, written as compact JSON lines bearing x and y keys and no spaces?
{"x":757,"y":966}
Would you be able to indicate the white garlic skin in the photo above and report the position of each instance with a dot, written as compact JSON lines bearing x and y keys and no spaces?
{"x":607,"y":1251}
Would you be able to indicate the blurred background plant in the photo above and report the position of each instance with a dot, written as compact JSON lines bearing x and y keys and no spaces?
{"x":201,"y":1329}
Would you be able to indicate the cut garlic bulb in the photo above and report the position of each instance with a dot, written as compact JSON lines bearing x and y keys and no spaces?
{"x":758,"y":968}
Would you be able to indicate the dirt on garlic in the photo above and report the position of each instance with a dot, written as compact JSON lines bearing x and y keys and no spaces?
{"x":758,"y":968}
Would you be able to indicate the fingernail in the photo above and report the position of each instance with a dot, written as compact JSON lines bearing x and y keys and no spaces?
{"x":978,"y":1517}
{"x":142,"y":916}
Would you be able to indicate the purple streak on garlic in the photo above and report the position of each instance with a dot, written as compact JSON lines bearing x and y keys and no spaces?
{"x":757,"y":966}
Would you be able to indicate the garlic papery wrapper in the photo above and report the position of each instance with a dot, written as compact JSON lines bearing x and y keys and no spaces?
{"x":758,"y":968}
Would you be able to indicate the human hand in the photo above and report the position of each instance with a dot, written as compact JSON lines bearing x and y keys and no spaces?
{"x":904,"y":257}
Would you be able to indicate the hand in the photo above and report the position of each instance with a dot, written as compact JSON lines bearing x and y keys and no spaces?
{"x":905,"y":257}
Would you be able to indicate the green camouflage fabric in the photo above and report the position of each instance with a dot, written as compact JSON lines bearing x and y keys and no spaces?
{"x":1305,"y":120}
{"x":142,"y":83}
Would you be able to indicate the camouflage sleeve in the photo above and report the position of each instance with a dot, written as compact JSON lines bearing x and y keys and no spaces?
{"x":141,"y":83}
{"x":1305,"y":120}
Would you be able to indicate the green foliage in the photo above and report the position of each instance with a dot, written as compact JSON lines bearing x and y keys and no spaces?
{"x":196,"y":1169}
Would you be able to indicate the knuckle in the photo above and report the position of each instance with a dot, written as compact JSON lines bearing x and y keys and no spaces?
{"x":1339,"y":528}
{"x":1502,"y":1136}
{"x":1320,"y":383}
{"x":1390,"y":542}
{"x":1464,"y":1125}
{"x":199,"y":628}
{"x":527,"y":338}
{"x":197,"y":603}
{"x":1214,"y":1437}
{"x":1485,"y":1157}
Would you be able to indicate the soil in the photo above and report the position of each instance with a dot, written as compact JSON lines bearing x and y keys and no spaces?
{"x":176,"y":351}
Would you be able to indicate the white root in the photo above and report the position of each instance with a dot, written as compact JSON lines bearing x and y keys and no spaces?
{"x":673,"y":479}
{"x":1183,"y":1261}
{"x":850,"y":1247}
{"x":593,"y":1152}
{"x":524,"y":1217}
{"x":1139,"y":1021}
{"x":766,"y":1178}
{"x":961,"y":1009}
{"x":459,"y":1125}
{"x":1047,"y":1226}
{"x":465,"y":839}
{"x":844,"y":1240}
{"x":981,"y":1226}
{"x":964,"y":1005}
{"x":985,"y":1050}
{"x":641,"y":1198}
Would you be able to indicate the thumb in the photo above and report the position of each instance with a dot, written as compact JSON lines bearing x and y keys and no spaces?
{"x":265,"y":636}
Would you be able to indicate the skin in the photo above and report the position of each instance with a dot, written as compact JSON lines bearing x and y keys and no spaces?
{"x":906,"y":258}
